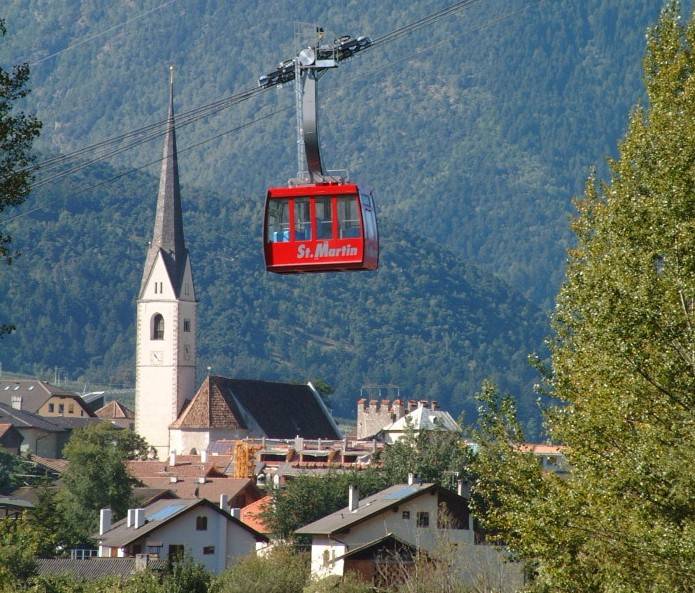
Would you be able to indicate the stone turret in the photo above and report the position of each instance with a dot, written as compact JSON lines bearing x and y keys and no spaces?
{"x":373,"y":415}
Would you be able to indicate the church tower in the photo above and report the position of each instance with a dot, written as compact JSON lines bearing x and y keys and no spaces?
{"x":166,"y":311}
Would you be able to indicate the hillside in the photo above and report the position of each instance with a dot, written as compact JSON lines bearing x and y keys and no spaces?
{"x":475,"y":132}
{"x":425,"y":320}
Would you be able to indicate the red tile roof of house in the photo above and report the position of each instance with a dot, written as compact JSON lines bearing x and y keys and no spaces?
{"x":252,"y":514}
{"x":115,"y":409}
{"x":4,"y":427}
{"x":182,"y":469}
{"x":210,"y":490}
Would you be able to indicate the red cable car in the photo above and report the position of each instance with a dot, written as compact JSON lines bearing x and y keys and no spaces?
{"x":320,"y":222}
{"x":324,"y":227}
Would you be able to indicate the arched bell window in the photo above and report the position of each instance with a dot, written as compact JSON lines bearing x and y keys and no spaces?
{"x":158,"y":327}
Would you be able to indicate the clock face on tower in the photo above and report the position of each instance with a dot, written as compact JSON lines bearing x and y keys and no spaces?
{"x":156,"y":357}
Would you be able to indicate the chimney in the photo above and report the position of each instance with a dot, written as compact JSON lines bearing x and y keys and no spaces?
{"x":235,"y":512}
{"x":224,"y":502}
{"x":139,"y":518}
{"x":201,"y":480}
{"x":131,"y":518}
{"x":204,"y":456}
{"x":298,"y":443}
{"x":104,"y":521}
{"x":353,"y":498}
{"x":173,"y":479}
{"x":411,"y":479}
{"x":172,"y":459}
{"x":412,"y":405}
{"x":435,"y":404}
{"x":141,"y":562}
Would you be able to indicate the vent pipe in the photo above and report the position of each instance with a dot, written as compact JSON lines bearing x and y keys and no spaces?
{"x":353,"y":498}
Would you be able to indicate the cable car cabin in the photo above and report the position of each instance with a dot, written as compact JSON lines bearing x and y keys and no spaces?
{"x":327,"y":227}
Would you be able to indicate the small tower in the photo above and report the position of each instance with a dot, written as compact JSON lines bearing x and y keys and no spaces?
{"x":166,"y":310}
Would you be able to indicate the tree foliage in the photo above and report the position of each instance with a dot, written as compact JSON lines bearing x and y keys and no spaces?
{"x":17,"y":132}
{"x":282,"y":570}
{"x":433,"y":456}
{"x":622,"y":363}
{"x":97,"y":477}
{"x":307,"y":498}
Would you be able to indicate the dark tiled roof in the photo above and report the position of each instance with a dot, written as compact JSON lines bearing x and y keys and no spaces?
{"x":144,"y":495}
{"x":280,"y":410}
{"x":368,"y":507}
{"x":72,"y":422}
{"x":24,"y":419}
{"x":167,"y":237}
{"x":389,"y":541}
{"x":34,"y":392}
{"x":284,"y":411}
{"x":93,"y":568}
{"x":14,"y":502}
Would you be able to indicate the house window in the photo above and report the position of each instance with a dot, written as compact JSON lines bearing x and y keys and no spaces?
{"x":405,"y":515}
{"x":423,"y":519}
{"x":201,"y":523}
{"x":326,"y":557}
{"x":176,"y":552}
{"x":51,"y":408}
{"x":71,"y":409}
{"x":187,"y":325}
{"x":61,"y":408}
{"x":207,"y":550}
{"x":158,"y":327}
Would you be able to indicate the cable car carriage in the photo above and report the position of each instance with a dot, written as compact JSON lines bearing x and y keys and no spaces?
{"x":318,"y":228}
{"x":319,"y":223}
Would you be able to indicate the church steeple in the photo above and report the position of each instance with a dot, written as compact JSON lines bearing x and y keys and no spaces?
{"x":165,"y":348}
{"x":167,"y":236}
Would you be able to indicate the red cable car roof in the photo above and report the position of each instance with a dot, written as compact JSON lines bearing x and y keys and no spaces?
{"x":317,"y":189}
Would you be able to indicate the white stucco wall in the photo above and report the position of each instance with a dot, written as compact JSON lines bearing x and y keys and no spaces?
{"x":230,"y":541}
{"x":478,"y":564}
{"x":183,"y":440}
{"x":164,"y":369}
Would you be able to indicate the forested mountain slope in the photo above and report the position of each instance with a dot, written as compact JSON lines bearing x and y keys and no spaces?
{"x":425,"y":320}
{"x":475,"y":132}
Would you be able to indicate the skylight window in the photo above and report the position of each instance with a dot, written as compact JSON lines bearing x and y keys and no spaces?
{"x":30,"y":387}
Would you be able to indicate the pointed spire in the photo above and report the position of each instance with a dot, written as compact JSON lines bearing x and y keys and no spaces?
{"x":168,"y":223}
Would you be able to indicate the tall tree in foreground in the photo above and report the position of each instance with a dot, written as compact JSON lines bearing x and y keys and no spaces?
{"x":97,"y":477}
{"x":17,"y":132}
{"x":623,"y":361}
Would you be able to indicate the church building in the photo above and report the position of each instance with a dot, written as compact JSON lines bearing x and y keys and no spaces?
{"x":169,"y":412}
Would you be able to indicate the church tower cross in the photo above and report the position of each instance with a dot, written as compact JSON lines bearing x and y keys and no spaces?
{"x":166,"y":310}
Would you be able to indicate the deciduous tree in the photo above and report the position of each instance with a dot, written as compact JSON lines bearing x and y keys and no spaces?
{"x":623,"y":363}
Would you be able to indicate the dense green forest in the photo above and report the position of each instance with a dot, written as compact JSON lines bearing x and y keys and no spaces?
{"x":475,"y":134}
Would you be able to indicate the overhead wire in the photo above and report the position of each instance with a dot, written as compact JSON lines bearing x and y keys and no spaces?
{"x":100,"y":34}
{"x":204,"y":110}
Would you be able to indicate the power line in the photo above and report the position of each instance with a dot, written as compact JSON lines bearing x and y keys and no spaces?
{"x":205,"y":110}
{"x":101,"y":34}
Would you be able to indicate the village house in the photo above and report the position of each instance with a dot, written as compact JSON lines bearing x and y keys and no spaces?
{"x":42,"y":398}
{"x":405,"y":519}
{"x":170,"y":529}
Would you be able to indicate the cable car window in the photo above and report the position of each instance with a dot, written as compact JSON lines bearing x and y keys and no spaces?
{"x":278,"y":221}
{"x":324,"y":219}
{"x":302,"y":219}
{"x":348,"y":217}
